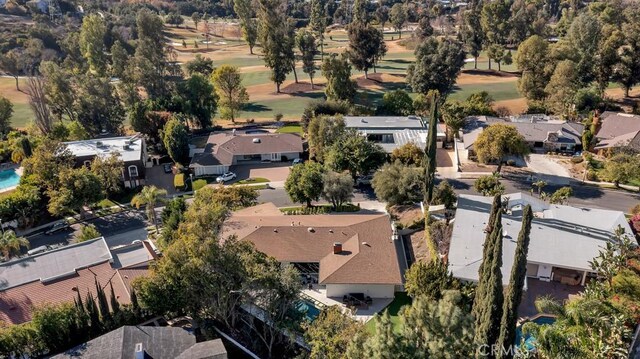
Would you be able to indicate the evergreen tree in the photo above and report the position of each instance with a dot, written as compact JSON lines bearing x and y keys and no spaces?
{"x":337,"y":71}
{"x":276,"y":38}
{"x":360,"y":13}
{"x":103,"y":305}
{"x":135,"y":306}
{"x":430,"y":151}
{"x":115,"y":305}
{"x":366,"y":46}
{"x":318,"y":22}
{"x":306,"y":43}
{"x":516,"y":284}
{"x":95,"y":327}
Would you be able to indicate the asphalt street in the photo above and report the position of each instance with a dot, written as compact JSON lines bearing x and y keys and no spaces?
{"x":117,"y":229}
{"x":126,"y":227}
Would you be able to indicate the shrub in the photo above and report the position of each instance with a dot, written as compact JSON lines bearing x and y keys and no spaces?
{"x":198,"y":184}
{"x":178,"y":181}
{"x":511,"y":163}
{"x":592,"y":175}
{"x":577,"y":159}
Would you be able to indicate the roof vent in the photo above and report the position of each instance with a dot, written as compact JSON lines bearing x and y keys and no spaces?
{"x":99,"y":144}
{"x":256,"y":140}
{"x":275,"y":230}
{"x":331,"y":231}
{"x":311,"y":230}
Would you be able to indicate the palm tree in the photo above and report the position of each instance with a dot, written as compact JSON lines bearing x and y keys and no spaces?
{"x":149,"y":197}
{"x":10,"y":243}
{"x":539,"y":185}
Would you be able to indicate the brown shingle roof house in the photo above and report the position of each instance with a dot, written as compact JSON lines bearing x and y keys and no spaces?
{"x":226,"y":149}
{"x":354,"y":252}
{"x":618,"y":130}
{"x":56,"y":276}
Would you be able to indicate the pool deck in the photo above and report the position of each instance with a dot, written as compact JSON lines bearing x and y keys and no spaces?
{"x":537,"y":288}
{"x":318,"y":293}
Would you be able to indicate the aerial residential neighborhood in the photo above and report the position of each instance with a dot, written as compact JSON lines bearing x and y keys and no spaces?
{"x":320,"y":179}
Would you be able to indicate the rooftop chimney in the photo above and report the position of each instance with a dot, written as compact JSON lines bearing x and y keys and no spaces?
{"x":337,"y":247}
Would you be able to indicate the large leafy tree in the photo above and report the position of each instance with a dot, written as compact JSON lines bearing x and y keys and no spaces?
{"x":398,"y":17}
{"x":149,"y":68}
{"x":396,"y":183}
{"x":305,"y":182}
{"x":429,"y":279}
{"x":92,"y":43}
{"x":337,"y":71}
{"x":98,"y":107}
{"x":77,"y":188}
{"x":627,"y":70}
{"x":621,"y":168}
{"x":582,"y":42}
{"x":6,"y":111}
{"x":516,"y":285}
{"x":494,"y":20}
{"x":231,"y":93}
{"x":366,"y":46}
{"x":306,"y":43}
{"x":322,"y":133}
{"x":533,"y":60}
{"x":354,"y":153}
{"x":453,"y":114}
{"x":318,"y":22}
{"x":109,"y":171}
{"x":200,"y":65}
{"x":246,"y":13}
{"x":498,"y":141}
{"x":176,"y":141}
{"x":276,"y":38}
{"x":337,"y":188}
{"x":11,"y":63}
{"x":562,"y":87}
{"x":438,"y":63}
{"x":330,"y":333}
{"x":198,"y":100}
{"x":409,"y":154}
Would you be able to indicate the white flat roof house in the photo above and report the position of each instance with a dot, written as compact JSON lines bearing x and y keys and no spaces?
{"x":392,"y":132}
{"x":564,"y":239}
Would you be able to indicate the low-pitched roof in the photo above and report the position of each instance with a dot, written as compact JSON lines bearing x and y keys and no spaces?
{"x":619,"y":141}
{"x":563,"y":236}
{"x":57,"y":276}
{"x":617,"y":124}
{"x":221,"y":147}
{"x":129,"y":147}
{"x":156,"y":342}
{"x":368,"y":253}
{"x":387,"y":122}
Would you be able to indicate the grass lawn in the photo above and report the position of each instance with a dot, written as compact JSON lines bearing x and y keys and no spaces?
{"x":253,"y":180}
{"x":105,"y":203}
{"x":292,"y":128}
{"x":401,"y":299}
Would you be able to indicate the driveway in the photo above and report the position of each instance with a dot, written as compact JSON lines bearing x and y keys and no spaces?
{"x":274,"y":172}
{"x":156,"y":176}
{"x":547,"y":169}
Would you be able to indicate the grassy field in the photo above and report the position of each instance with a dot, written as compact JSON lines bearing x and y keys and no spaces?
{"x":291,"y":128}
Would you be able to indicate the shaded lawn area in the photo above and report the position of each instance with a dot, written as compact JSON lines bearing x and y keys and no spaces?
{"x":401,"y":299}
{"x":291,"y":128}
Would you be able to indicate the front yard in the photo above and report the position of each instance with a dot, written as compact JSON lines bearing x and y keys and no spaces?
{"x":401,"y":299}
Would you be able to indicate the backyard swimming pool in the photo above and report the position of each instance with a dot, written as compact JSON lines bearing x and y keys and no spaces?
{"x":308,"y":309}
{"x":529,"y":341}
{"x":8,"y":178}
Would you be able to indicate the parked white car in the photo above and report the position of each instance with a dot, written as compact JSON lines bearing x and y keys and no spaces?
{"x":228,"y":176}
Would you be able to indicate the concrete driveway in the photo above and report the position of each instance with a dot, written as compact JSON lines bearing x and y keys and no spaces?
{"x":274,"y":172}
{"x":156,"y":176}
{"x":546,"y":168}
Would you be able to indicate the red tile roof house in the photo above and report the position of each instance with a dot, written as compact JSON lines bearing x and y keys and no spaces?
{"x":56,"y":276}
{"x":347,"y":253}
{"x":227,"y":149}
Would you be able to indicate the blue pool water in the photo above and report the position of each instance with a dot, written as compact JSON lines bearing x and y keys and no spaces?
{"x":8,"y":178}
{"x":529,"y":341}
{"x":308,"y":309}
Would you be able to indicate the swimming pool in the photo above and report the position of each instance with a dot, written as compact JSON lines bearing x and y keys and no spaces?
{"x":8,"y":178}
{"x":308,"y":309}
{"x":529,"y":341}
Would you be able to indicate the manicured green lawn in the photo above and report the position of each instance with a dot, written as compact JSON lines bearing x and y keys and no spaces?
{"x":253,"y":180}
{"x":22,"y":115}
{"x":393,"y":309}
{"x":498,"y":90}
{"x":292,"y":128}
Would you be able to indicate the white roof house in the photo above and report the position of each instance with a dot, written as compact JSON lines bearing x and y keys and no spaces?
{"x":130,"y":148}
{"x":392,"y":132}
{"x":564,"y":239}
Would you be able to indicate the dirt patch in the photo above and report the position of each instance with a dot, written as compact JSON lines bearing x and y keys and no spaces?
{"x":418,"y":246}
{"x":483,"y":77}
{"x":515,"y":106}
{"x":376,"y":81}
{"x":8,"y":90}
{"x":406,"y":215}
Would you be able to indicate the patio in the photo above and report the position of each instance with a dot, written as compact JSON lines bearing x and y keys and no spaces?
{"x":318,"y":294}
{"x":537,"y":288}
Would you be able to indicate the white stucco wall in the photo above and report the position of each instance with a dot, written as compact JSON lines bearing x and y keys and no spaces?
{"x":209,"y":170}
{"x":372,"y":290}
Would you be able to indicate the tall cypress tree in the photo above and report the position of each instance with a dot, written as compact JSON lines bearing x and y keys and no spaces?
{"x":516,"y":284}
{"x":134,"y":303}
{"x":94,"y":316}
{"x":487,"y":258}
{"x":430,"y":151}
{"x":103,"y":304}
{"x":487,"y":307}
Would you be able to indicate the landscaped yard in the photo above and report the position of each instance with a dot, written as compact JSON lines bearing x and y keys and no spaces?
{"x":290,"y":128}
{"x":393,"y":309}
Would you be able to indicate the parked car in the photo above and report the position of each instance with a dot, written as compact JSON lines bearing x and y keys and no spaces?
{"x":364,"y":180}
{"x":298,"y":161}
{"x":167,"y":168}
{"x":228,"y":176}
{"x":57,"y":227}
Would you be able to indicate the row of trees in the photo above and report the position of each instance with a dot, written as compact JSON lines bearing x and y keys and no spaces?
{"x":55,"y":328}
